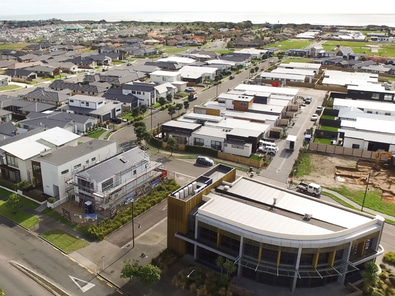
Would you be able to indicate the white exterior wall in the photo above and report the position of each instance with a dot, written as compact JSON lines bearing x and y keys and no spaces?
{"x":348,"y":142}
{"x":87,"y":104}
{"x":245,"y":150}
{"x":52,"y":176}
{"x":207,"y":140}
{"x":144,"y":97}
{"x":159,"y":79}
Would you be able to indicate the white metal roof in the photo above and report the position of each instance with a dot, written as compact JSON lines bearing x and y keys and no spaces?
{"x":297,"y":65}
{"x":261,"y":220}
{"x":274,"y":75}
{"x":31,"y":146}
{"x":267,"y":89}
{"x":363,"y":104}
{"x":368,"y":136}
{"x":255,"y":219}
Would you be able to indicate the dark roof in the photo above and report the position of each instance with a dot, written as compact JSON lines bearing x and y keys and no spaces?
{"x":236,"y":57}
{"x":140,"y":87}
{"x":76,"y":87}
{"x":115,"y":94}
{"x":40,"y":94}
{"x":8,"y":128}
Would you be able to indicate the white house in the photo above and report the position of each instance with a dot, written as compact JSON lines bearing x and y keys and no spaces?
{"x":159,"y":77}
{"x":58,"y":167}
{"x":18,"y":155}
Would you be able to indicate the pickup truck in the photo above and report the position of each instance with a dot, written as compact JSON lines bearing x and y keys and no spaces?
{"x":309,"y":188}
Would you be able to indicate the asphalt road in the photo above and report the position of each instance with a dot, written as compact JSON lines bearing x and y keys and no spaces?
{"x":26,"y":249}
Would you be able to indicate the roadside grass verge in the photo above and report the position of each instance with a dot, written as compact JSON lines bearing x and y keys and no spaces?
{"x":372,"y":201}
{"x":302,"y":164}
{"x":64,"y":241}
{"x":18,"y":216}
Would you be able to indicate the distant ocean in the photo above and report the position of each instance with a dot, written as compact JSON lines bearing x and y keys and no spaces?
{"x":255,"y":17}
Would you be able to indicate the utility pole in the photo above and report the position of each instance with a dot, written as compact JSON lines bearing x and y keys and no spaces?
{"x":366,"y":190}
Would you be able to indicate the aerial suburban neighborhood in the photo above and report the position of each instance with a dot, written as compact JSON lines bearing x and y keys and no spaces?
{"x":200,"y":158}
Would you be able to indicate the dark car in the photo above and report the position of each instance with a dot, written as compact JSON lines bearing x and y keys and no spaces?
{"x":204,"y":161}
{"x":116,"y":120}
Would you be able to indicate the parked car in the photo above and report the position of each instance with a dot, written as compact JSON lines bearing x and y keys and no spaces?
{"x":204,"y":161}
{"x":307,"y":100}
{"x":116,"y":120}
{"x":192,"y":96}
{"x":319,"y":110}
{"x":314,"y":117}
{"x":190,"y":89}
{"x":269,"y":150}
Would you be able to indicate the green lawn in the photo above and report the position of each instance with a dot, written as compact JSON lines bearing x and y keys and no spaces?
{"x":26,"y":202}
{"x":9,"y":87}
{"x":372,"y":201}
{"x":328,"y":128}
{"x":19,"y":217}
{"x":322,"y":141}
{"x":292,"y":44}
{"x":16,"y":46}
{"x":96,"y":134}
{"x":303,"y":164}
{"x":64,"y":241}
{"x":386,"y":49}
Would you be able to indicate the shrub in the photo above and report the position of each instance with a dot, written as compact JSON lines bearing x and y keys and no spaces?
{"x":389,"y":258}
{"x":51,"y":199}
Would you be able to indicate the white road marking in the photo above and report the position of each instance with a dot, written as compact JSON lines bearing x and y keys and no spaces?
{"x":84,"y":287}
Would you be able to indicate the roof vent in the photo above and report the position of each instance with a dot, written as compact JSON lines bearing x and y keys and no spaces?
{"x":307,"y":217}
{"x":226,"y":187}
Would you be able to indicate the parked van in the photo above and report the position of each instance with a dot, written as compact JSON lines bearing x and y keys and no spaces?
{"x":264,"y":144}
{"x":269,"y":150}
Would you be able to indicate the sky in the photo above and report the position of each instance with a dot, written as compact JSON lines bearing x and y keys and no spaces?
{"x":31,"y":7}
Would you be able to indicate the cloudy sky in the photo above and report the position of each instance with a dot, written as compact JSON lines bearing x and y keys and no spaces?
{"x":30,"y":7}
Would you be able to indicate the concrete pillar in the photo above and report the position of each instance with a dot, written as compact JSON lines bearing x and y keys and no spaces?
{"x":346,"y":256}
{"x":240,"y":255}
{"x":297,"y":264}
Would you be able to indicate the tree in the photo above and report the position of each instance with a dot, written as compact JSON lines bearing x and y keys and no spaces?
{"x":186,"y":105}
{"x":178,"y":107}
{"x":169,"y":98}
{"x":143,"y":109}
{"x":369,"y":275}
{"x":230,"y":267}
{"x":171,"y":143}
{"x":220,"y":262}
{"x":14,"y":202}
{"x":130,"y":270}
{"x":171,"y":110}
{"x":162,"y":101}
{"x":148,"y":274}
{"x":135,"y":112}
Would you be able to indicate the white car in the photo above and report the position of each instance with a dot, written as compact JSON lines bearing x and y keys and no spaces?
{"x":314,"y":117}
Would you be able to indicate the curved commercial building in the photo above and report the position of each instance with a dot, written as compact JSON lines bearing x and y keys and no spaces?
{"x":274,"y":236}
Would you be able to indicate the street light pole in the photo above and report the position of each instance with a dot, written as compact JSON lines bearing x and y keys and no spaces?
{"x":133,"y":220}
{"x":366,"y":190}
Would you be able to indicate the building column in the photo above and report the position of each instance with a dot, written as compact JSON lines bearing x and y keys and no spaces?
{"x":346,"y":257}
{"x":239,"y":257}
{"x":196,"y":237}
{"x":295,"y":279}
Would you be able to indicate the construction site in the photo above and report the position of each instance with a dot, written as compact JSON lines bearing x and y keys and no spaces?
{"x":378,"y":173}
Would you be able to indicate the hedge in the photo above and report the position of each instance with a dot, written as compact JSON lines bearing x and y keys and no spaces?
{"x":159,"y":193}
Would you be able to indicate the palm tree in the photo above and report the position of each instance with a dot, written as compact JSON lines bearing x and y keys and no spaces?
{"x":369,"y":275}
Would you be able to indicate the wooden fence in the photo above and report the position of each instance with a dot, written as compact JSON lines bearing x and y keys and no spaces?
{"x":339,"y":150}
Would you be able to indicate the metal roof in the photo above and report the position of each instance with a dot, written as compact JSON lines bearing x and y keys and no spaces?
{"x":31,"y":146}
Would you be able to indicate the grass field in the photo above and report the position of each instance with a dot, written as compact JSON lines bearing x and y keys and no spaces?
{"x":16,"y":46}
{"x":19,"y":217}
{"x":64,"y":241}
{"x":9,"y":87}
{"x":386,"y":49}
{"x":295,"y":44}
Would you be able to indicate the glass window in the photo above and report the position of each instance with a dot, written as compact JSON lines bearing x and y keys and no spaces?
{"x":198,"y":142}
{"x":64,"y":172}
{"x":216,"y":145}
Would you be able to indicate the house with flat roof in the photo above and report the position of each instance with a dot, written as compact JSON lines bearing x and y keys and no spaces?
{"x":54,"y":171}
{"x":97,"y":107}
{"x":273,"y":235}
{"x":17,"y":155}
{"x":117,"y":180}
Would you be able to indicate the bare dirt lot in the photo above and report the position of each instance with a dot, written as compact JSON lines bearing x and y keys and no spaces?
{"x":336,"y":171}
